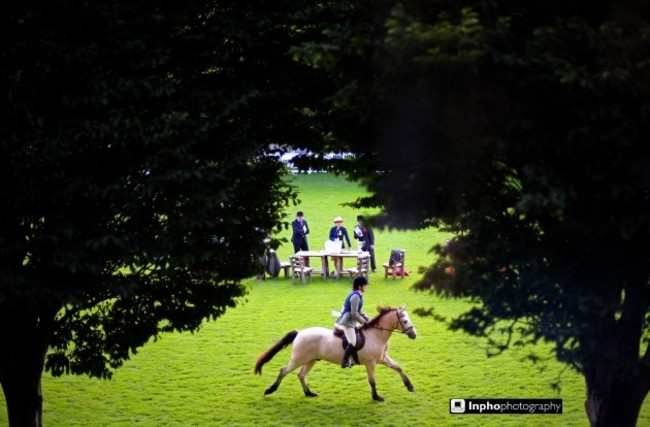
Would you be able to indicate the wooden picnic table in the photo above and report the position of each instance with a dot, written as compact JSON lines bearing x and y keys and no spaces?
{"x":337,"y":257}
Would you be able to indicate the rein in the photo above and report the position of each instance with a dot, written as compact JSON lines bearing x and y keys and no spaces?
{"x":394,"y":330}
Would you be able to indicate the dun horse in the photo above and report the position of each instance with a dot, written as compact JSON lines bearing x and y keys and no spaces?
{"x":313,"y":344}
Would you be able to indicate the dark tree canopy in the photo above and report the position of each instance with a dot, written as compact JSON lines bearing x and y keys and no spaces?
{"x":136,"y":191}
{"x":523,"y":128}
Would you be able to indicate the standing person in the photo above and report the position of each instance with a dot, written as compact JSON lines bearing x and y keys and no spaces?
{"x":367,"y":237}
{"x":351,"y":315}
{"x":338,"y":232}
{"x":300,"y":231}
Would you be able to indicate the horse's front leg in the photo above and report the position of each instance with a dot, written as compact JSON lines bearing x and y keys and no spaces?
{"x":387,"y":361}
{"x":370,"y":370}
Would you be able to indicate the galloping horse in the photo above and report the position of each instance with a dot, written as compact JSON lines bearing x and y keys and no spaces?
{"x":313,"y":344}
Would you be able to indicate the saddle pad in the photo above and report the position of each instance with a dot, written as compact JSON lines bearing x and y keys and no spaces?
{"x":361,"y":338}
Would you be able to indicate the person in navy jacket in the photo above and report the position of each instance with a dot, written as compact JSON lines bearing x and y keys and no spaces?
{"x":300,"y":231}
{"x":339,"y":232}
{"x":367,"y":238}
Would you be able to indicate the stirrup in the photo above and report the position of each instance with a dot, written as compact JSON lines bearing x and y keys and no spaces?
{"x":347,"y":361}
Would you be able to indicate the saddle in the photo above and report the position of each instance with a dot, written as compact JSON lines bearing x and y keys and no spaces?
{"x":361,"y":338}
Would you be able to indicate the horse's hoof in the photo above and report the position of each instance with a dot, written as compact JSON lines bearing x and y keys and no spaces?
{"x":378,"y":398}
{"x":311,"y":394}
{"x":271,"y":389}
{"x":411,"y":389}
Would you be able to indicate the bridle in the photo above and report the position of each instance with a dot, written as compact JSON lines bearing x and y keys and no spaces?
{"x":399,"y":320}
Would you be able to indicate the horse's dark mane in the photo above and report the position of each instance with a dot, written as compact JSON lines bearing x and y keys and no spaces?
{"x":382,"y":310}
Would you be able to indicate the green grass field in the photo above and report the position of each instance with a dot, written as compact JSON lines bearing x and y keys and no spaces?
{"x":206,"y":378}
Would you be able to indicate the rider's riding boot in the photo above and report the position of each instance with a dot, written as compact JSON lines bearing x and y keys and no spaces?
{"x":355,"y":357}
{"x":345,"y":363}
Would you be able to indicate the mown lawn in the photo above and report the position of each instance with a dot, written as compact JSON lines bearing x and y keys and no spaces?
{"x":206,"y":378}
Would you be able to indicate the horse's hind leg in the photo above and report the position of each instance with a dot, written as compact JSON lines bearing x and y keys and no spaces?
{"x":302,"y":375}
{"x":387,"y":361}
{"x":283,"y":373}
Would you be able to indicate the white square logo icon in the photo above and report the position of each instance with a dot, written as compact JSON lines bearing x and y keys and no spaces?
{"x":457,"y":406}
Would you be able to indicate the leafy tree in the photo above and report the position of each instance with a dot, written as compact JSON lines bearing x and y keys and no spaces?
{"x":136,"y":190}
{"x":522,"y":127}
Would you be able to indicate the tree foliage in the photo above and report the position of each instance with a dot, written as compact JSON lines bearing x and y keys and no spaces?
{"x":134,"y":172}
{"x":521,"y":127}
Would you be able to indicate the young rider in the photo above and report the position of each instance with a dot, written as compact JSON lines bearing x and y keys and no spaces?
{"x":351,"y":314}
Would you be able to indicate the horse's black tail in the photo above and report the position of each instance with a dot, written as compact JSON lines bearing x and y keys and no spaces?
{"x":268,"y":355}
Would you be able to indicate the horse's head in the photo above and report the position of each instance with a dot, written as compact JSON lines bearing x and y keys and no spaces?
{"x":405,"y":324}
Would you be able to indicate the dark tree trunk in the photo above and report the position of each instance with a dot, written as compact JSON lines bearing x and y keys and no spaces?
{"x":618,"y":378}
{"x":22,"y":356}
{"x":24,"y":398}
{"x":614,"y":402}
